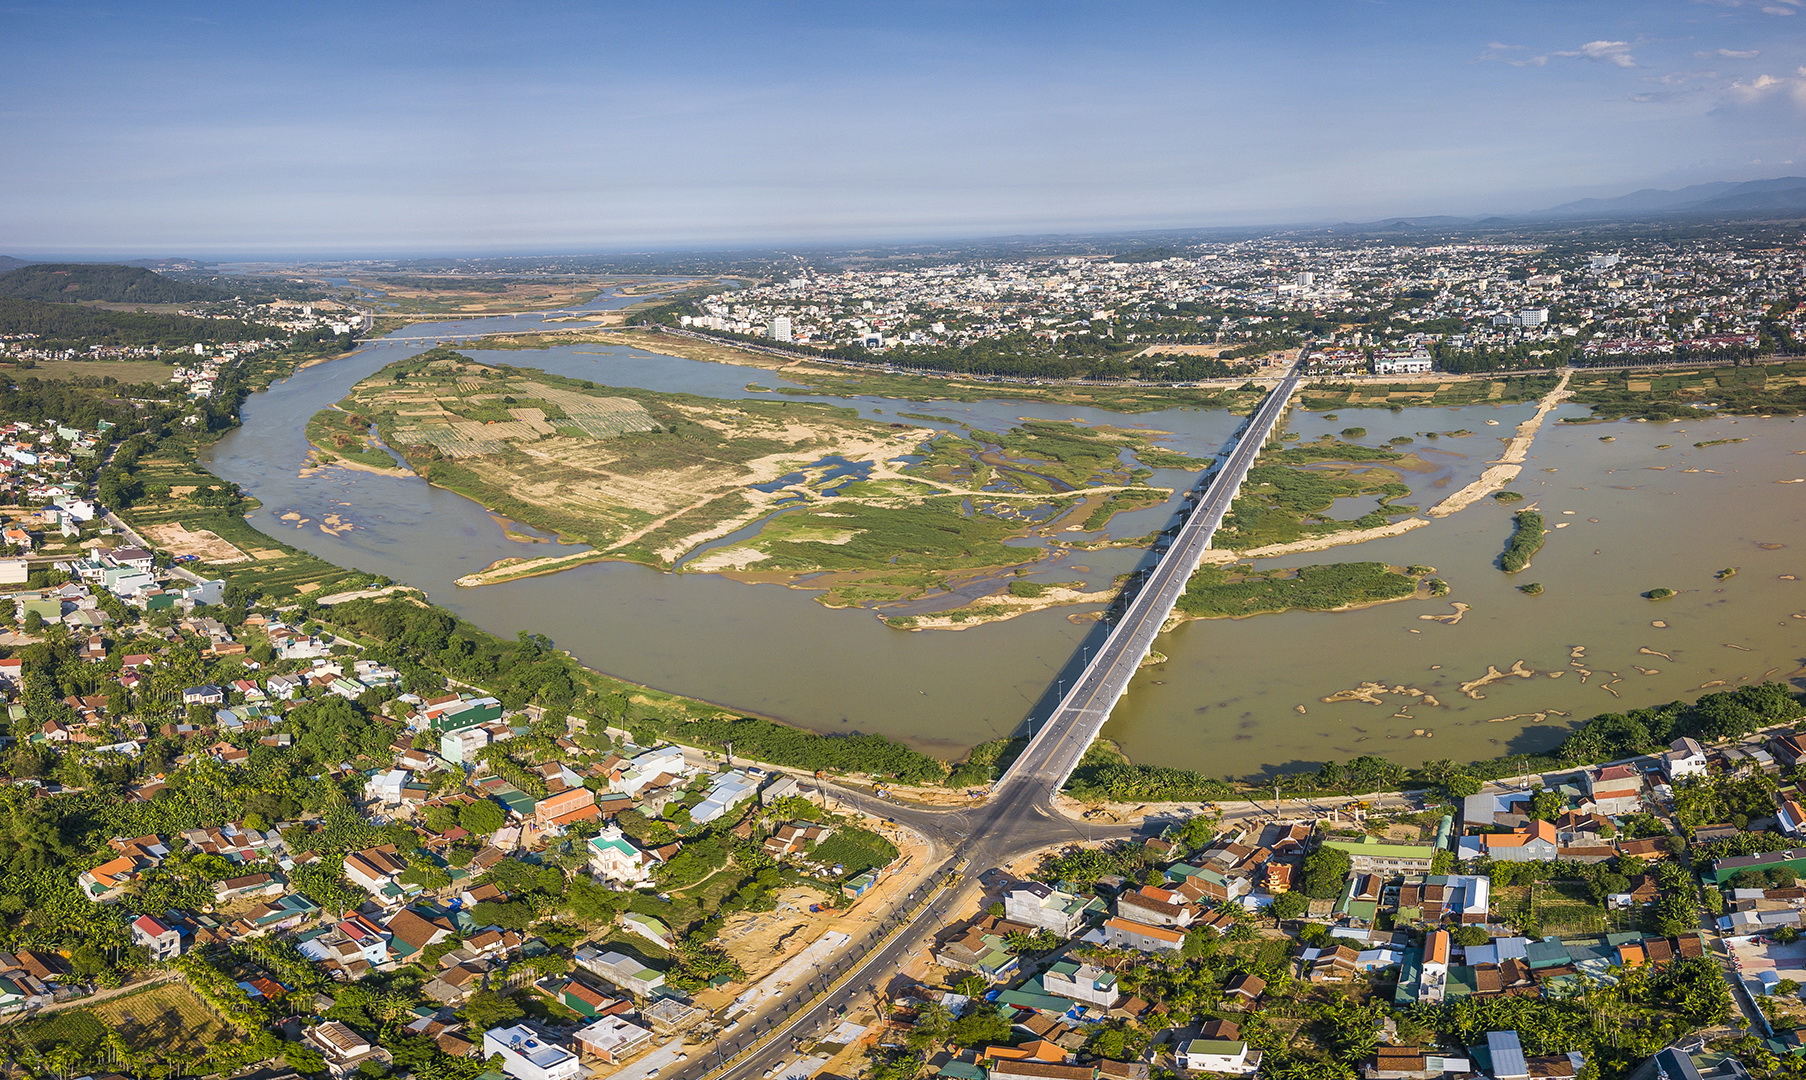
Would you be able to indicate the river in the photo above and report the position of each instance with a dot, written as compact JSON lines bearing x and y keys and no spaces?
{"x":1227,"y":699}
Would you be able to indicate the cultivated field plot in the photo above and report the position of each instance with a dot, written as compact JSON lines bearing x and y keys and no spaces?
{"x":167,"y":1019}
{"x":561,"y":412}
{"x":170,"y":1017}
{"x":126,"y":371}
{"x":1755,"y":389}
{"x":1328,"y":394}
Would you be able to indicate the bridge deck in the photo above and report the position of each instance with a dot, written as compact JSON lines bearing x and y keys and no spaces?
{"x":1056,"y":748}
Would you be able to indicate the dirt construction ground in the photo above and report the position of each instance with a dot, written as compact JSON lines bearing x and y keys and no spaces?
{"x":176,"y":539}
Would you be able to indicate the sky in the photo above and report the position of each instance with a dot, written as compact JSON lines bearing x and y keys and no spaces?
{"x":392,"y":127}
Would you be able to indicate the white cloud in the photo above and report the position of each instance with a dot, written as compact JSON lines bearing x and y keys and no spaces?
{"x":1767,"y":7}
{"x":1767,"y":88}
{"x":1616,"y":53}
{"x":1611,"y":52}
{"x":1733,"y":54}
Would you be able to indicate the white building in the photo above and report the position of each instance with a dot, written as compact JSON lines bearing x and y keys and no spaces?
{"x":614,"y":859}
{"x":1082,"y":982}
{"x":1685,"y":757}
{"x":1218,"y":1056}
{"x":1417,"y":363}
{"x":1047,"y":908}
{"x":726,"y":791}
{"x":780,"y":328}
{"x":613,"y":1039}
{"x":646,"y":769}
{"x":527,"y":1056}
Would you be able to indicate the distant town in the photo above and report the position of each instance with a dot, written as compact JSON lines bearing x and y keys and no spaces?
{"x":1354,"y":307}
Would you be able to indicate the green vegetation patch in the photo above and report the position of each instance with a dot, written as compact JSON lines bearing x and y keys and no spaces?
{"x":1750,"y":390}
{"x":1503,"y":390}
{"x":337,"y":434}
{"x":69,"y":283}
{"x":856,"y":850}
{"x":1217,"y":592}
{"x":1288,"y":491}
{"x":1526,"y":540}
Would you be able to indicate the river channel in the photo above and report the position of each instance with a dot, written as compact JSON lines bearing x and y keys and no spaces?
{"x":1228,"y":700}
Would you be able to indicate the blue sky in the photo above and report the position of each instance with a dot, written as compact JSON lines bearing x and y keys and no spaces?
{"x":407,"y":126}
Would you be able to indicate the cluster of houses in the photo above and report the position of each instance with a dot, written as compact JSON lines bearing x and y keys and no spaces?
{"x":400,"y":915}
{"x":1418,"y":914}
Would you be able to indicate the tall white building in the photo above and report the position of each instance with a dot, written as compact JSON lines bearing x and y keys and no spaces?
{"x":780,"y":328}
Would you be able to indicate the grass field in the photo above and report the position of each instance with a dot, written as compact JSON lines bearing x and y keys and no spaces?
{"x":1217,"y":592}
{"x":1288,"y":493}
{"x":1561,"y":907}
{"x":126,"y":371}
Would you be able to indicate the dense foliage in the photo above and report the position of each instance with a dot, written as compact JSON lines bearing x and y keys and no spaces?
{"x":69,"y":283}
{"x":1526,"y":541}
{"x":1216,"y":592}
{"x":70,"y":326}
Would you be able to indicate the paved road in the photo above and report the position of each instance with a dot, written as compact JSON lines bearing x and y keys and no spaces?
{"x":1075,"y":722}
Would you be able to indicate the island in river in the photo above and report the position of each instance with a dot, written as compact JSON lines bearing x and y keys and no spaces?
{"x":867,"y":512}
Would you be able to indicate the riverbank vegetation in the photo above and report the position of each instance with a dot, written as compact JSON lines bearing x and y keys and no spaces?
{"x":1229,"y":592}
{"x":1501,"y":390}
{"x":1526,"y":540}
{"x":1104,"y":775}
{"x":1742,"y":390}
{"x":336,"y":434}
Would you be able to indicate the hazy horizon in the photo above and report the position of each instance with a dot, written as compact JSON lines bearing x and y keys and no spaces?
{"x":222,"y":132}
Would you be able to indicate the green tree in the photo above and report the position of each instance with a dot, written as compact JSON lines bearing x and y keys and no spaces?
{"x":487,"y":1009}
{"x":481,"y":818}
{"x":1325,"y":869}
{"x":1289,"y":905}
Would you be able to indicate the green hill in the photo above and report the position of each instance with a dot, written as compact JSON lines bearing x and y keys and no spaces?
{"x":65,"y":325}
{"x":69,"y":283}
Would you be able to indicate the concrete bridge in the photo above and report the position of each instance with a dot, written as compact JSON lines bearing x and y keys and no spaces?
{"x":1064,"y":736}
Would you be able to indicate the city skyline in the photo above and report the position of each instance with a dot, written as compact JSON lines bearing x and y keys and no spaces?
{"x":193,"y":129}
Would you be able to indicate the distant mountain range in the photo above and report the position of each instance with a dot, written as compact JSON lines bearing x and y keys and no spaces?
{"x":1781,"y":195}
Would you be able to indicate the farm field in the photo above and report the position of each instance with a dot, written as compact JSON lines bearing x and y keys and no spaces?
{"x":167,"y":1022}
{"x":194,"y":513}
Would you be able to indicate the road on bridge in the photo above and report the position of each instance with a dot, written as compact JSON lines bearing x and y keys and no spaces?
{"x":1075,"y":722}
{"x":1017,"y":819}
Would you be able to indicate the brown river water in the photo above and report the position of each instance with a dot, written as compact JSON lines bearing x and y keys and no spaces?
{"x":1227,"y":700}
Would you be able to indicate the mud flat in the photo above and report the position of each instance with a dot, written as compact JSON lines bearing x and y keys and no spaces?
{"x":1517,"y":670}
{"x":994,"y":609}
{"x":1511,"y":462}
{"x":1317,"y":543}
